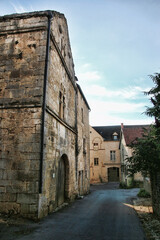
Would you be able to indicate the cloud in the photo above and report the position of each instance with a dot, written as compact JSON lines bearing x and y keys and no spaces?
{"x":107,"y":119}
{"x":124,"y":93}
{"x":18,"y":8}
{"x":96,"y":90}
{"x":32,"y":9}
{"x":105,"y":113}
{"x":89,"y":76}
{"x":116,"y":107}
{"x":112,"y":113}
{"x":86,"y":65}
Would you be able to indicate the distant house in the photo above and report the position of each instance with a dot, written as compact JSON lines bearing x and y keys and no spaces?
{"x":128,"y":135}
{"x":105,"y":165}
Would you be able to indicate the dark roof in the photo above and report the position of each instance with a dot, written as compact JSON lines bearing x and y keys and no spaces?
{"x":131,"y":132}
{"x":107,"y":132}
{"x":82,"y":94}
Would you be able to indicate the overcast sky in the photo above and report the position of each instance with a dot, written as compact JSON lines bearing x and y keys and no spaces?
{"x":115,"y":46}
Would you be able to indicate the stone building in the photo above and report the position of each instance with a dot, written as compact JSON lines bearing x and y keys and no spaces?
{"x":44,"y":150}
{"x":105,"y":164}
{"x":83,"y":144}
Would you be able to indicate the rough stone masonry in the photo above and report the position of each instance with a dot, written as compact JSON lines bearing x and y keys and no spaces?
{"x":44,"y":146}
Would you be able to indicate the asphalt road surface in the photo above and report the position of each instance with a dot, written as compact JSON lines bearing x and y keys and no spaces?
{"x":105,"y":214}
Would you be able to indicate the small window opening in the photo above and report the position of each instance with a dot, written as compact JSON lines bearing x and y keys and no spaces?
{"x":95,"y":144}
{"x":82,"y":114}
{"x":96,"y":161}
{"x":113,"y":155}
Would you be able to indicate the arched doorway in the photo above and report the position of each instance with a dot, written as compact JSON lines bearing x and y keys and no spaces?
{"x":113,"y":174}
{"x":62,"y":180}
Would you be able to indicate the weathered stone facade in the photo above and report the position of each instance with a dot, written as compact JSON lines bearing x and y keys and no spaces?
{"x":39,"y":115}
{"x":83,"y":144}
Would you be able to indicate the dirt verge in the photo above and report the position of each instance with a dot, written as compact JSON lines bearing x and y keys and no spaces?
{"x":150,"y":223}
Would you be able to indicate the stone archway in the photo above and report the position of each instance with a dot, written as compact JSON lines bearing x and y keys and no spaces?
{"x":62,"y":192}
{"x":113,"y":174}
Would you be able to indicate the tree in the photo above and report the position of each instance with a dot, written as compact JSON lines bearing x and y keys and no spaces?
{"x":155,"y":100}
{"x":146,"y":150}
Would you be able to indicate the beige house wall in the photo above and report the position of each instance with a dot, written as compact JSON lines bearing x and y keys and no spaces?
{"x":99,"y":173}
{"x":126,"y":152}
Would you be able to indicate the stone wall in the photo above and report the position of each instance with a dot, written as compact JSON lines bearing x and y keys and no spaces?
{"x":59,"y":141}
{"x":21,"y":80}
{"x":22,"y":61}
{"x":23,"y":65}
{"x":83,"y":164}
{"x":60,"y":130}
{"x":19,"y":164}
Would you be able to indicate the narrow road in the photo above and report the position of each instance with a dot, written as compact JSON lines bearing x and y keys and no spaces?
{"x":105,"y":214}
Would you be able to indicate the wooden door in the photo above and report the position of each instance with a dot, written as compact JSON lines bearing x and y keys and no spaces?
{"x":113,"y":174}
{"x":61,"y":182}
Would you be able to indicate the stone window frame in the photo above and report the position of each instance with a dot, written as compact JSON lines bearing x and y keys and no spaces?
{"x":82,"y":115}
{"x":97,"y":142}
{"x":84,"y":146}
{"x":113,"y":155}
{"x":96,"y":161}
{"x":62,"y":103}
{"x":115,"y":136}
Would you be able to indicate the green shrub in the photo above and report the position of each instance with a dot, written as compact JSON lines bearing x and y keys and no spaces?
{"x":130,"y":183}
{"x":143,"y":193}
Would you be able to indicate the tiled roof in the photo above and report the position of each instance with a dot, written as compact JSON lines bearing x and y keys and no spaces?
{"x":107,"y":132}
{"x":132,"y":132}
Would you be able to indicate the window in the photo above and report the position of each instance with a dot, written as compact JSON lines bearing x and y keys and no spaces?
{"x":82,"y":114}
{"x":96,"y":161}
{"x":113,"y":155}
{"x":84,"y":145}
{"x":95,"y":144}
{"x":115,"y":137}
{"x":61,"y":105}
{"x":64,"y":105}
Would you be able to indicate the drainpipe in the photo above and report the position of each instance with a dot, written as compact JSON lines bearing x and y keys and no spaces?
{"x":50,"y":15}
